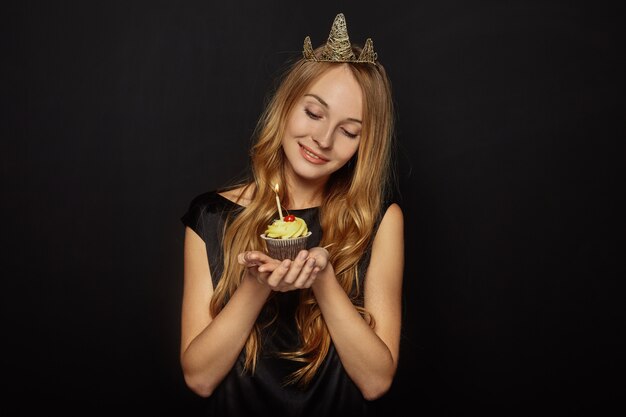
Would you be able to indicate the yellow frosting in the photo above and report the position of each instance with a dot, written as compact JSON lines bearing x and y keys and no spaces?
{"x":281,"y":229}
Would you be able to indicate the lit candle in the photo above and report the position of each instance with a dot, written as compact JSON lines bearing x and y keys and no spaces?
{"x":280,"y":210}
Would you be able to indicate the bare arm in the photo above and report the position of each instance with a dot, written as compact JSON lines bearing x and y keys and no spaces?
{"x":369,"y":356}
{"x":210,"y":345}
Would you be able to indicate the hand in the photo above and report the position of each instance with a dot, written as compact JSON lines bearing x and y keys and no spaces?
{"x":252,"y":260}
{"x":321,"y":257}
{"x":287,"y":275}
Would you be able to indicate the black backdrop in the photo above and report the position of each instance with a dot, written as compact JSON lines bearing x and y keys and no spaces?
{"x":510,"y":128}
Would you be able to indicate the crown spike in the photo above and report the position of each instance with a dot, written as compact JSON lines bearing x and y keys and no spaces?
{"x":367,"y":53}
{"x":307,"y":51}
{"x":338,"y":47}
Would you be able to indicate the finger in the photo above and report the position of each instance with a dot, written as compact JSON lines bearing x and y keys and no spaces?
{"x":321,"y":262}
{"x":253,"y":258}
{"x":296,"y":267}
{"x":284,"y":288}
{"x":277,"y":275}
{"x":248,"y":258}
{"x":312,"y":278}
{"x":269,"y":267}
{"x":262,"y":257}
{"x":305,"y":274}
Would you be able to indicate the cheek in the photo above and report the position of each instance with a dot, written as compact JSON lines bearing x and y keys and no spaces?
{"x":348,"y":149}
{"x":297,"y":126}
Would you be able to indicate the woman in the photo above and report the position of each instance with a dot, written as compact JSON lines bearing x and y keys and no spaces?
{"x":319,"y":334}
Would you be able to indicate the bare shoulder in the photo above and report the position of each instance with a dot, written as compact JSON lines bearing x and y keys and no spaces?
{"x":241,"y":195}
{"x":393,"y":217}
{"x":389,"y":237}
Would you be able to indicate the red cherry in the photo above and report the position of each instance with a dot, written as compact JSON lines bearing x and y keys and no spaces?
{"x":290,"y":218}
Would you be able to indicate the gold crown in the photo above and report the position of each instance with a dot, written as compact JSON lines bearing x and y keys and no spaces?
{"x":338,"y":47}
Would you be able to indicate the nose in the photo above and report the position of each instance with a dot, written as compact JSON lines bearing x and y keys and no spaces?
{"x":324,"y":138}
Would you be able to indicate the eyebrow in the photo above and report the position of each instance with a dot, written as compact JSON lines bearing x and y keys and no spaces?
{"x":323,"y":103}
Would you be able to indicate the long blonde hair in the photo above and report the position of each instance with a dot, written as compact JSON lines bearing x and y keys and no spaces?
{"x":351,"y":205}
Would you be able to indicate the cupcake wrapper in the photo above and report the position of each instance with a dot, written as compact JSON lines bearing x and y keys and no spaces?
{"x":285,"y":248}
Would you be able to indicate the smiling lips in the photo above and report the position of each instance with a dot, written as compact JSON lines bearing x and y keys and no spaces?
{"x":311,"y":156}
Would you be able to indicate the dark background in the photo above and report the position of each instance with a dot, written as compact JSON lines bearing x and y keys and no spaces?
{"x":510,"y":129}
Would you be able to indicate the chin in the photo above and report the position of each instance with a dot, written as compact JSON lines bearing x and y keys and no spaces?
{"x":310,"y":172}
{"x":311,"y":175}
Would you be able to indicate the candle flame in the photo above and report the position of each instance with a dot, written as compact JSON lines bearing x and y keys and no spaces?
{"x":276,"y":188}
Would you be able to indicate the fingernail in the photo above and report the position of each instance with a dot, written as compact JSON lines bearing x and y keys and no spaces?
{"x":302,"y":256}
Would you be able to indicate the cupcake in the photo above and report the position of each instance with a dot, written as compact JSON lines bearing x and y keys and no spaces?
{"x":284,"y":238}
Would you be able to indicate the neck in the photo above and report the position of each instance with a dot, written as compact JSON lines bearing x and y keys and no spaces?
{"x":304,"y":193}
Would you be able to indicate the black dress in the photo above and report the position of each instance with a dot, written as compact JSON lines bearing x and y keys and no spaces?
{"x":331,"y":392}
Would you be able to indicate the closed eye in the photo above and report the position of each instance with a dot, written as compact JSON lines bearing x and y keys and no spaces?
{"x":312,"y":115}
{"x":349,"y":134}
